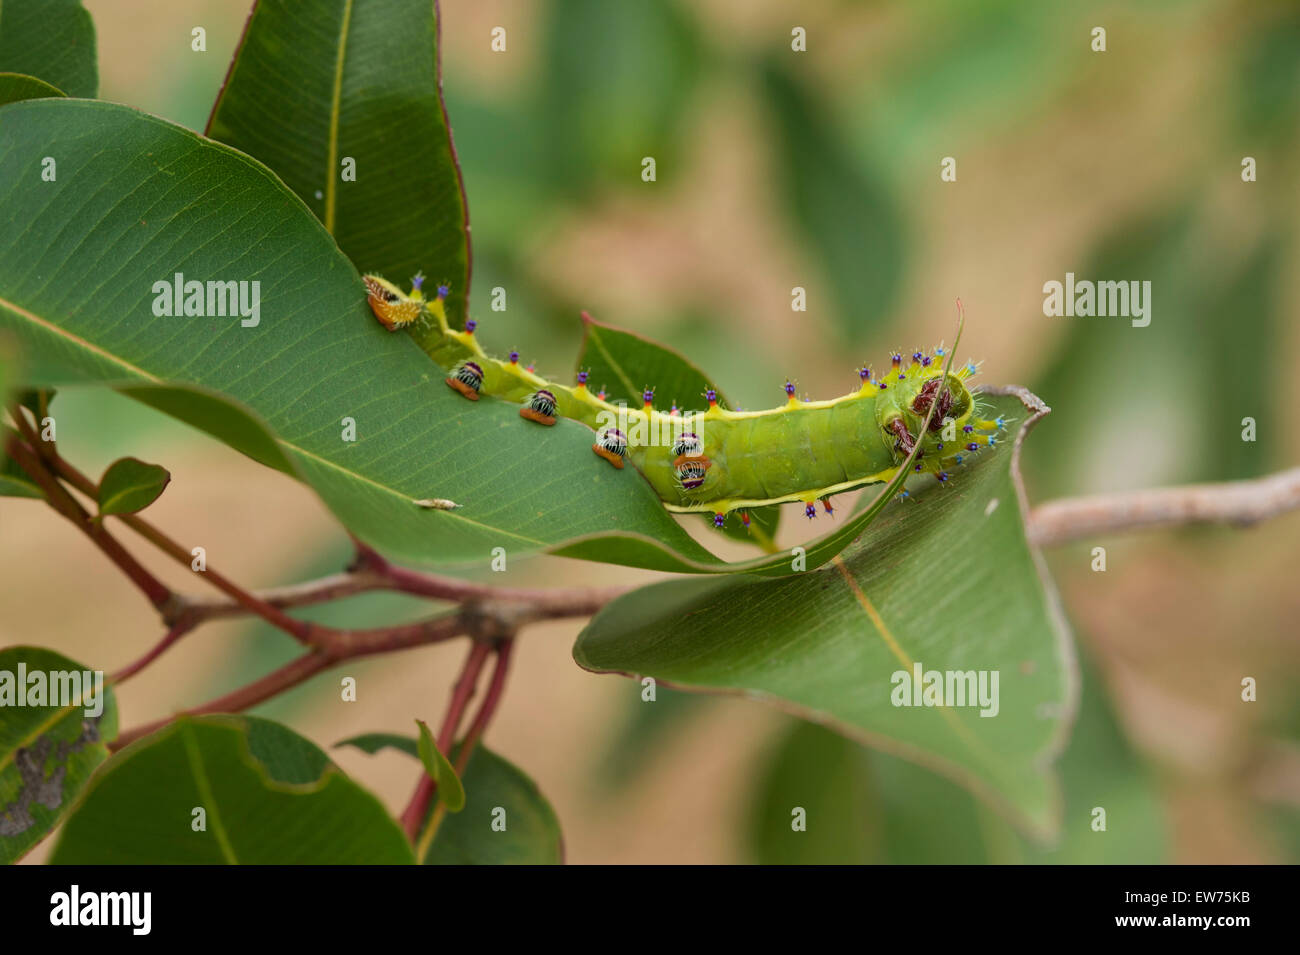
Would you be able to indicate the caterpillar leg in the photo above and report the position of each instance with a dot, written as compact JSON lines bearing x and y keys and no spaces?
{"x":611,"y":444}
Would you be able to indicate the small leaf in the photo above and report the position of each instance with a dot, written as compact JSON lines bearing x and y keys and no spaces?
{"x":130,"y":485}
{"x":624,"y":364}
{"x":507,"y":821}
{"x":451,"y":793}
{"x":20,"y":86}
{"x":267,"y":796}
{"x":371,"y":743}
{"x":47,"y":750}
{"x":14,"y":481}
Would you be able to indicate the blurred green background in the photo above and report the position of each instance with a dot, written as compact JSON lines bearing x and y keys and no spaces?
{"x":821,"y":169}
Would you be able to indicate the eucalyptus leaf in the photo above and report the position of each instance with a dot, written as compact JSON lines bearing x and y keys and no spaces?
{"x":77,"y":287}
{"x":603,"y":113}
{"x":130,"y":485}
{"x":945,"y":580}
{"x":343,"y":101}
{"x":19,"y":86}
{"x":864,"y":807}
{"x":451,"y":793}
{"x":48,"y":748}
{"x":14,"y":481}
{"x":844,"y":209}
{"x":52,"y":40}
{"x":228,"y":790}
{"x":506,"y":820}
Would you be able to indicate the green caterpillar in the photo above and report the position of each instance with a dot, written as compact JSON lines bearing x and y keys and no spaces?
{"x":719,"y":460}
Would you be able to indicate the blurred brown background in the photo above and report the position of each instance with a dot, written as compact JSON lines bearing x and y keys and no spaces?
{"x":820,"y":170}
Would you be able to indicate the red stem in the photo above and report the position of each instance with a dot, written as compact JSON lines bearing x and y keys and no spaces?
{"x":177,"y":631}
{"x":159,"y":594}
{"x":413,"y":816}
{"x":291,"y":674}
{"x":334,"y":650}
{"x":490,"y":702}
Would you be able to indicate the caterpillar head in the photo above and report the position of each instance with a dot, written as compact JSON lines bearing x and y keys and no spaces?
{"x":393,"y":309}
{"x":902,"y":410}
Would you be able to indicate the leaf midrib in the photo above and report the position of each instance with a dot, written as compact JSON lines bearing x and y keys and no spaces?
{"x":962,"y":731}
{"x":204,"y":786}
{"x":618,"y":369}
{"x":331,"y":182}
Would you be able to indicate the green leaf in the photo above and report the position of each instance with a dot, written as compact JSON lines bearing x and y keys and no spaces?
{"x":314,"y":359}
{"x":14,"y":481}
{"x":450,"y":791}
{"x":19,"y":86}
{"x":498,"y":794}
{"x":644,"y":730}
{"x":310,"y":88}
{"x":47,"y":751}
{"x":130,"y":485}
{"x":77,"y":289}
{"x":371,"y":743}
{"x":496,"y":790}
{"x":813,"y":804}
{"x":269,"y":797}
{"x":601,"y":114}
{"x":867,"y":807}
{"x":846,"y":214}
{"x":50,"y":39}
{"x":624,"y":364}
{"x":946,"y":580}
{"x":1210,"y":293}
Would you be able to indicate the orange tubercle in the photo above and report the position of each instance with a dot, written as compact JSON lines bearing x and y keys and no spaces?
{"x":610,"y":456}
{"x":537,"y":416}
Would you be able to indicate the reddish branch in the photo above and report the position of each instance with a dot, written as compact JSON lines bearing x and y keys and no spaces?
{"x":462,"y":692}
{"x":1238,"y":503}
{"x":496,"y":687}
{"x":482,"y":612}
{"x":158,"y":593}
{"x":426,"y":788}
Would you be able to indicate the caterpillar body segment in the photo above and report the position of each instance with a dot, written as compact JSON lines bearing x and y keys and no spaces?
{"x":718,"y":461}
